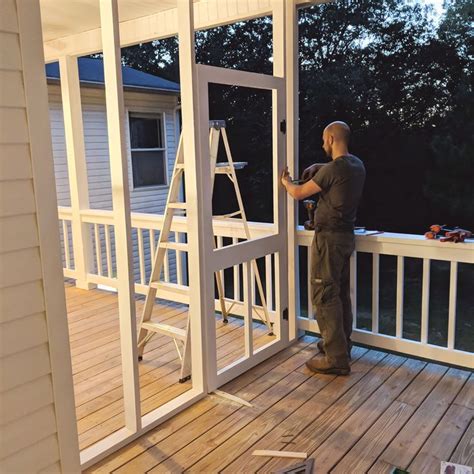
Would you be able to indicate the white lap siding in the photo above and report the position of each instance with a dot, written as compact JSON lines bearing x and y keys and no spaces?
{"x":31,"y":303}
{"x":147,"y":200}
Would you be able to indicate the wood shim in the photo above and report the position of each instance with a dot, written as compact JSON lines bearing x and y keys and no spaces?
{"x":280,"y":454}
{"x":233,"y":398}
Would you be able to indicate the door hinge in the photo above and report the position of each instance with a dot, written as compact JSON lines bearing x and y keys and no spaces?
{"x":285,"y":314}
{"x":283,"y":126}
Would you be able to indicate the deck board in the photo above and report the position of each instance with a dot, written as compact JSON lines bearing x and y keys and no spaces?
{"x":392,"y":410}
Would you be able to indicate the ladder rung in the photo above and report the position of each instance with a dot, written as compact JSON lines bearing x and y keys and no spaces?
{"x":179,"y":166}
{"x":177,"y":205}
{"x":174,"y":246}
{"x":225,"y":168}
{"x":167,"y":330}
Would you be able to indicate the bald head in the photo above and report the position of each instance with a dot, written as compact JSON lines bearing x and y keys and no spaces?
{"x":340,"y":131}
{"x":336,"y":138}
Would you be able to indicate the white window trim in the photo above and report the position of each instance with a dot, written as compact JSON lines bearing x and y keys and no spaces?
{"x":162,"y":116}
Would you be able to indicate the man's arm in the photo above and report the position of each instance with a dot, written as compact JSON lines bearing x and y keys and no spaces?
{"x":296,"y":191}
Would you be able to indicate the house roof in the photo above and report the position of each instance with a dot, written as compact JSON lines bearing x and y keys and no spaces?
{"x":91,"y":71}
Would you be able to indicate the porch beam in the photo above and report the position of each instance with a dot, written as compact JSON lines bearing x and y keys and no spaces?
{"x":197,"y":169}
{"x":77,"y":169}
{"x":207,"y":14}
{"x":121,"y":211}
{"x":292,"y":158}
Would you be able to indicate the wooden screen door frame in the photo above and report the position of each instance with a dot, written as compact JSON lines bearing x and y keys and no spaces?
{"x":242,"y":253}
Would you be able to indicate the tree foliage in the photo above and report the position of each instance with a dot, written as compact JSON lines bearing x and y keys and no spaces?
{"x":401,"y":80}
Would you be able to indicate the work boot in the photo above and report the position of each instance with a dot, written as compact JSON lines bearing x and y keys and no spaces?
{"x":320,"y":345}
{"x":321,"y":365}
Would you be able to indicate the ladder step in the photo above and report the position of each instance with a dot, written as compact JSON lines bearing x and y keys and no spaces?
{"x":179,"y":166}
{"x":225,"y":168}
{"x":177,"y":205}
{"x":174,"y":246}
{"x":167,"y":330}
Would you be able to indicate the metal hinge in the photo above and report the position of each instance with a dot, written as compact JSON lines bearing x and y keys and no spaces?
{"x":285,"y":314}
{"x":283,"y":126}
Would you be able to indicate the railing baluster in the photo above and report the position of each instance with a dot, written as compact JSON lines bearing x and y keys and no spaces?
{"x":400,"y":295}
{"x":108,"y":251}
{"x":353,"y":283}
{"x":98,"y":249}
{"x":269,"y":282}
{"x":220,"y":244}
{"x":141,"y":256}
{"x":309,"y":292}
{"x":152,"y":246}
{"x":67,"y":255}
{"x":179,"y":258}
{"x":425,"y":301}
{"x":453,"y":290}
{"x":375,"y":291}
{"x":236,"y":272}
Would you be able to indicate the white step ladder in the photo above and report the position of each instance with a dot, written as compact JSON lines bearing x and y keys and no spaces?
{"x":181,"y":337}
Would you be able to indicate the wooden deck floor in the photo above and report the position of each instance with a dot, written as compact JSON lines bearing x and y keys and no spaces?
{"x":391,"y":411}
{"x":97,"y":372}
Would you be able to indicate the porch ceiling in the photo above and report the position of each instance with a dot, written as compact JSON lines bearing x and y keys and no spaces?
{"x":72,"y":27}
{"x":61,"y":19}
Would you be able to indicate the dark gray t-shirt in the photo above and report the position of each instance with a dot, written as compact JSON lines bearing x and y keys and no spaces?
{"x":341,"y":181}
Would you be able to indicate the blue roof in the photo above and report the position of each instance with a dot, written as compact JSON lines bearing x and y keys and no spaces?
{"x":91,"y":71}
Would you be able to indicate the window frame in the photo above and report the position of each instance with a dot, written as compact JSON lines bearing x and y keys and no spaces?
{"x":136,"y":113}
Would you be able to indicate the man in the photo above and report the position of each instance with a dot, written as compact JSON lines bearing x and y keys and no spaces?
{"x":339,"y":184}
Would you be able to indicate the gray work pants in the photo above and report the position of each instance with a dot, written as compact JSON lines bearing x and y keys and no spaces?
{"x":330,"y":292}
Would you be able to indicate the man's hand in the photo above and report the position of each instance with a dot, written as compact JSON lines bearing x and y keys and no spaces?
{"x":285,"y":177}
{"x":310,"y":171}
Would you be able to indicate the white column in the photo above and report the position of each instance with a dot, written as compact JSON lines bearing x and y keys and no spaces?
{"x":292,"y":154}
{"x":198,"y":198}
{"x":121,"y":205}
{"x":280,"y":198}
{"x":77,"y":168}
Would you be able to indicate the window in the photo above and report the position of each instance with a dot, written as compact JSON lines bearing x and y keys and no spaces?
{"x":147,"y":149}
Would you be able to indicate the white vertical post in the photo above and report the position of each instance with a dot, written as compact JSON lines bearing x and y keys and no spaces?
{"x":453,"y":289}
{"x":36,"y":103}
{"x":108,"y":251}
{"x":268,"y":282}
{"x":400,"y":295}
{"x":77,"y":168}
{"x":199,"y":212}
{"x":121,"y":209}
{"x":141,"y":256}
{"x":280,"y":198}
{"x":248,"y":309}
{"x":236,"y":270}
{"x":375,"y":291}
{"x":98,"y":249}
{"x":425,"y":301}
{"x":67,"y":256}
{"x":292,"y":154}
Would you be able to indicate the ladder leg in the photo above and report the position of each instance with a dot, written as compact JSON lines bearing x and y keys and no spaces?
{"x":220,"y":291}
{"x":185,"y":373}
{"x":262,"y":297}
{"x":146,"y":316}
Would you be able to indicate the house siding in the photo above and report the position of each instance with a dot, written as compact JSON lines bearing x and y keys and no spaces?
{"x":28,"y":419}
{"x":148,"y":200}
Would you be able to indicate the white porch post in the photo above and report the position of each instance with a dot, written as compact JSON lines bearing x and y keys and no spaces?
{"x":279,"y":159}
{"x":201,"y":306}
{"x":292,"y":153}
{"x":77,"y":169}
{"x":121,"y":205}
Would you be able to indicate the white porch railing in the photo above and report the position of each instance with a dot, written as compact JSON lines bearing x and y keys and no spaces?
{"x":146,"y":228}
